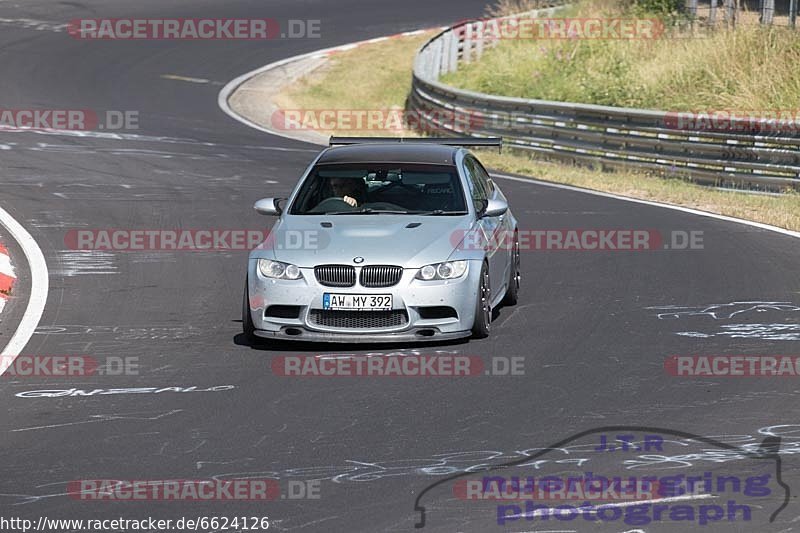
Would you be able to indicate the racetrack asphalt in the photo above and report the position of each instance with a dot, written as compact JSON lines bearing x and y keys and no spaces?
{"x":587,"y":324}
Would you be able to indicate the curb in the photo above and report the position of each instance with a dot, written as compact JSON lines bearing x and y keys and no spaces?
{"x":230,"y":88}
{"x":39,"y":287}
{"x":7,"y":276}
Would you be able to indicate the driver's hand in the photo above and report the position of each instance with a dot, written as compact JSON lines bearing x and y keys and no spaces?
{"x":350,"y":201}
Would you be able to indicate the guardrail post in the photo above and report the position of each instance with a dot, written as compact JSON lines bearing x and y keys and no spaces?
{"x":479,"y":27}
{"x":712,"y":13}
{"x":427,"y":62}
{"x":767,"y":11}
{"x":693,"y":9}
{"x":445,"y":53}
{"x":466,"y":53}
{"x":792,"y":13}
{"x":452,"y":61}
{"x":730,"y":12}
{"x":436,"y":64}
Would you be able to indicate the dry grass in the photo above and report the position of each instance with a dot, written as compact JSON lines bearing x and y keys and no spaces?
{"x":509,"y":7}
{"x":752,"y":68}
{"x":377,"y":76}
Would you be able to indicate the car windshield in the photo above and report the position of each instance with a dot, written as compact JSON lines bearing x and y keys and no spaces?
{"x":374,"y":189}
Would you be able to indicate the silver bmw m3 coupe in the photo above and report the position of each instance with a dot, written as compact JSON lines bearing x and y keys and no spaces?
{"x":385,"y":240}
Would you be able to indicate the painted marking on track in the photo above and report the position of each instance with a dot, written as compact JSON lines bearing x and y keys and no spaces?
{"x":188,"y":79}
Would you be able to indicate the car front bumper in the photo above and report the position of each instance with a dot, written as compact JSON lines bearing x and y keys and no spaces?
{"x":410,"y":299}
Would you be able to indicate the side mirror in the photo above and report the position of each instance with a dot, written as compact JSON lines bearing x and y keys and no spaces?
{"x":268,"y":206}
{"x":494,"y":208}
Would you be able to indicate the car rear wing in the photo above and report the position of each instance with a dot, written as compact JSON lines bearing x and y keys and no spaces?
{"x":496,"y":142}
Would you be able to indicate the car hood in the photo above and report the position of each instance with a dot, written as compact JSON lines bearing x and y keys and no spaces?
{"x":406,"y":240}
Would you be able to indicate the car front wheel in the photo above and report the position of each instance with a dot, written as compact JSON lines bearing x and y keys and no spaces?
{"x":483,"y":307}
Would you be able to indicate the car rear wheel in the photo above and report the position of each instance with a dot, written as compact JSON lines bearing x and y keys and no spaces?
{"x":248,"y":328}
{"x":483,"y":307}
{"x":512,"y":293}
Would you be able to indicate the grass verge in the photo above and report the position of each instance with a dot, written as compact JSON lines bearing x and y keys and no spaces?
{"x":752,"y":68}
{"x":378,"y":76}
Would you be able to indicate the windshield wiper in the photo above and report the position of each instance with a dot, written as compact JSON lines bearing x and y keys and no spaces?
{"x":371,"y":211}
{"x":439,"y":212}
{"x":368,"y":211}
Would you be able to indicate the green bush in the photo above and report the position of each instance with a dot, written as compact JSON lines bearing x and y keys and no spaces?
{"x":662,"y":7}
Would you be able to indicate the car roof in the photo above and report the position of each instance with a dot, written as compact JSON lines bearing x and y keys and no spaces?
{"x":407,"y":152}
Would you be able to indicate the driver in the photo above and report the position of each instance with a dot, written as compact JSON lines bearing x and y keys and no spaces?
{"x":348,"y":189}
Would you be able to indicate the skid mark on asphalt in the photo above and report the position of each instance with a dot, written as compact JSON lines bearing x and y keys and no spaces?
{"x":90,"y":134}
{"x":161,"y":154}
{"x":738,"y":310}
{"x":454,"y":462}
{"x":103,"y":418}
{"x":85,"y":262}
{"x":155,"y":257}
{"x":770,"y":332}
{"x":60,"y":223}
{"x":128,"y":332}
{"x":33,"y":24}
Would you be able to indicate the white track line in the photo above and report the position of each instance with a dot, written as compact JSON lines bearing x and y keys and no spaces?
{"x":40,"y":285}
{"x":228,"y":90}
{"x":776,"y":229}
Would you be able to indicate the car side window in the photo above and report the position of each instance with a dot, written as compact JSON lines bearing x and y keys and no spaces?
{"x":478,"y":188}
{"x":483,"y":177}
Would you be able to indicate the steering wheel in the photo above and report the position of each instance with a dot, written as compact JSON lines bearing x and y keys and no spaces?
{"x":332,"y":204}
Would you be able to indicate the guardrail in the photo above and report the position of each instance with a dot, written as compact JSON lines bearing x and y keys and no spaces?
{"x":757,"y":154}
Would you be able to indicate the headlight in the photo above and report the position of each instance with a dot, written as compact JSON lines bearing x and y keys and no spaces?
{"x":446,"y":270}
{"x":278,"y":270}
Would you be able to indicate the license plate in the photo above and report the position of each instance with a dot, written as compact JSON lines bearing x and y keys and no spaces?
{"x":357,"y":302}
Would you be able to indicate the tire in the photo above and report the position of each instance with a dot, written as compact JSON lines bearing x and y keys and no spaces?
{"x":248,"y":328}
{"x":481,"y":327}
{"x":514,"y":277}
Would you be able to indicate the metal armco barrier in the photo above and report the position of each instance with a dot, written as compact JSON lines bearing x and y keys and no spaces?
{"x":757,"y":154}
